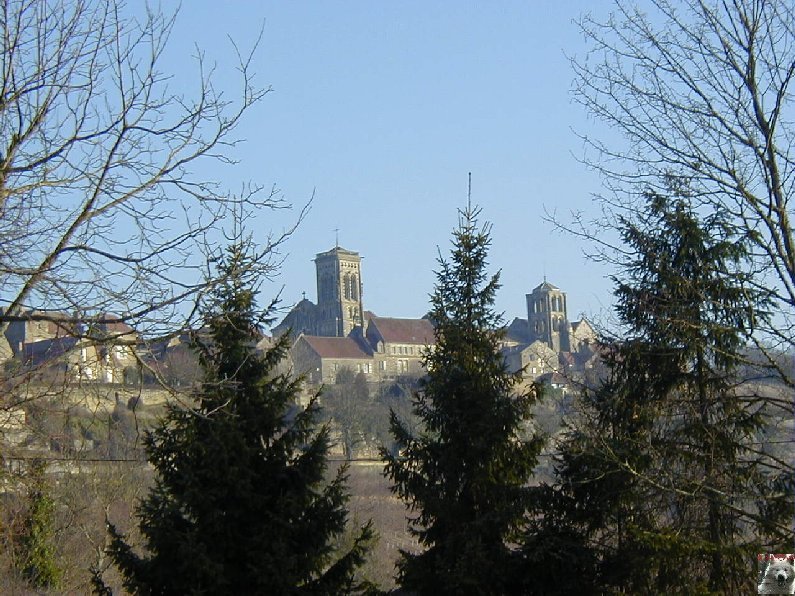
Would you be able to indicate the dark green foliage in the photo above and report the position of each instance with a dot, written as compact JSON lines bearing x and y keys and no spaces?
{"x":661,"y":479}
{"x":465,"y":474}
{"x":240,"y":504}
{"x":36,"y":549}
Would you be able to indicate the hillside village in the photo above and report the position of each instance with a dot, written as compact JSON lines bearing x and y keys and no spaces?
{"x":102,"y":368}
{"x":335,"y":333}
{"x":338,"y":332}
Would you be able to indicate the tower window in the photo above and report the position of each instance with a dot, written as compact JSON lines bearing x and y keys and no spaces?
{"x":354,"y":287}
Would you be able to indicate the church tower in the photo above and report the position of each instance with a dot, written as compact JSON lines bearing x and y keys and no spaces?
{"x":339,"y":292}
{"x":546,"y":313}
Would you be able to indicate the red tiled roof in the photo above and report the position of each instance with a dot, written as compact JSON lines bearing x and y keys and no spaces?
{"x":335,"y":347}
{"x":405,"y":331}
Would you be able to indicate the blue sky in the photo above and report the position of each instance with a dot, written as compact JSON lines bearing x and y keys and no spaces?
{"x":382,"y":108}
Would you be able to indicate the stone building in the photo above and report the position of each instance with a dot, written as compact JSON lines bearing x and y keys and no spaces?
{"x":30,"y":328}
{"x":321,"y":358}
{"x":399,"y":344}
{"x":340,"y":308}
{"x":114,"y":341}
{"x":97,"y":349}
{"x":547,"y":318}
{"x":582,"y":336}
{"x":337,"y":332}
{"x":535,"y":359}
{"x":339,"y":292}
{"x":389,"y":348}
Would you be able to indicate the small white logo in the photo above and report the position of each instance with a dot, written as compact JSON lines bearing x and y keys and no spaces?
{"x":778,"y":576}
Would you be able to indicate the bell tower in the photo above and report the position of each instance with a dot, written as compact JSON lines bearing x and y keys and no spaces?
{"x":339,"y":292}
{"x":546,"y":313}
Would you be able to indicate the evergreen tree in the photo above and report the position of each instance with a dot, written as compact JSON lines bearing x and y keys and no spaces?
{"x":588,"y":519}
{"x":662,"y":477}
{"x":36,"y":549}
{"x":465,"y":474}
{"x":240,"y":504}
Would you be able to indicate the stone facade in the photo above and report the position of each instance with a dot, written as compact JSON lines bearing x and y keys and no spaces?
{"x":319,"y":359}
{"x":547,"y":317}
{"x":399,"y":345}
{"x":339,"y":292}
{"x":340,"y":308}
{"x":390,"y":348}
{"x":96,"y":350}
{"x":21,"y":332}
{"x":534,"y":360}
{"x":582,"y":336}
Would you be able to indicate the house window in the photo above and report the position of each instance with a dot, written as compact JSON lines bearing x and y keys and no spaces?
{"x":382,"y":365}
{"x":367,"y":369}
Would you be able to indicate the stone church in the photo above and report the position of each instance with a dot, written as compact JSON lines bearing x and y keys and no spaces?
{"x":339,"y":307}
{"x":338,"y":332}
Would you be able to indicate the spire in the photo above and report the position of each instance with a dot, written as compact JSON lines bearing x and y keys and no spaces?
{"x":469,"y":193}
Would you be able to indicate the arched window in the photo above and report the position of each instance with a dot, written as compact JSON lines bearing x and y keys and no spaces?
{"x":346,"y":287}
{"x":354,"y":287}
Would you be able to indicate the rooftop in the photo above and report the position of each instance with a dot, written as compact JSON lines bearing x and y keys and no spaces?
{"x":404,"y":331}
{"x":335,"y":347}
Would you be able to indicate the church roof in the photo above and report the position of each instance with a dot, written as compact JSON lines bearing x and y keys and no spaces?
{"x":518,"y":330}
{"x":546,"y":286}
{"x":404,"y":331}
{"x":337,"y":250}
{"x":335,"y":347}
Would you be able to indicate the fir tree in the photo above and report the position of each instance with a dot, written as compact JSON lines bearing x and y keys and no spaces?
{"x":465,"y":474}
{"x":662,"y":478}
{"x":240,"y":504}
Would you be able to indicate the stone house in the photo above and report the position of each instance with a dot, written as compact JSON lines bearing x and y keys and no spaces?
{"x":582,"y":336}
{"x":534,"y":360}
{"x":35,"y":329}
{"x":388,"y":349}
{"x":76,"y":358}
{"x":321,"y":358}
{"x":115,"y":343}
{"x":399,"y":344}
{"x":98,"y":350}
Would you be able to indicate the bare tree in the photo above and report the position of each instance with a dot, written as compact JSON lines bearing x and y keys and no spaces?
{"x":701,"y":90}
{"x":103,"y":207}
